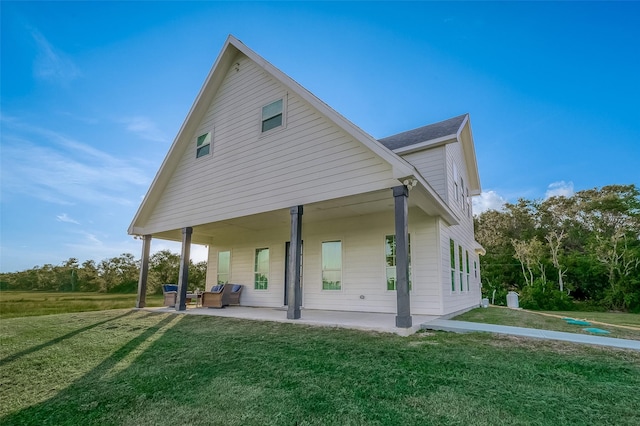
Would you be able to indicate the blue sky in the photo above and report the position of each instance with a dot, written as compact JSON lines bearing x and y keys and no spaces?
{"x":93,"y":93}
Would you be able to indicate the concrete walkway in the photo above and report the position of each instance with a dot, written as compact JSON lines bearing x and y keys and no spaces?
{"x":467,"y":327}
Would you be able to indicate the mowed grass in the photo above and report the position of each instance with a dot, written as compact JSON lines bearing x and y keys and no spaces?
{"x":620,"y":325}
{"x":33,"y":303}
{"x":125,"y":367}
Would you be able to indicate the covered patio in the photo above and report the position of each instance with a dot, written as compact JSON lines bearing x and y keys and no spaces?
{"x":288,"y":224}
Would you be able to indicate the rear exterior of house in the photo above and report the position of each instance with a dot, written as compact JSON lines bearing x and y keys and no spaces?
{"x":259,"y":158}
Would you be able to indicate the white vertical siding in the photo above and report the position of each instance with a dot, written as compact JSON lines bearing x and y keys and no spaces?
{"x":308,"y":160}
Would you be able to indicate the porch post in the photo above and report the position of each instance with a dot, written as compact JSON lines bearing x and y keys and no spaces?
{"x":403,"y":319}
{"x":144,"y":272}
{"x":294,"y":295}
{"x":183,"y":278}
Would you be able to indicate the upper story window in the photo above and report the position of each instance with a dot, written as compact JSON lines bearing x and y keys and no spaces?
{"x":272,"y":115}
{"x":203,"y":145}
{"x":456,"y":190}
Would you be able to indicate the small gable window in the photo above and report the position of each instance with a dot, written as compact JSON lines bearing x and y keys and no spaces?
{"x":272,"y":115}
{"x":203,"y":145}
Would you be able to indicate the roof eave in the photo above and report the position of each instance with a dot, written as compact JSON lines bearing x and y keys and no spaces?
{"x":465,"y":137}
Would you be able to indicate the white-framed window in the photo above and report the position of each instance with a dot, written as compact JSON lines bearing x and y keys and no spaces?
{"x":332,"y":265}
{"x":456,"y":190}
{"x":272,"y":115}
{"x":261,"y":269}
{"x":461,"y":265}
{"x":467,"y":263}
{"x":452,"y":256}
{"x":203,"y":145}
{"x":224,"y":266}
{"x":475,"y":269}
{"x":390,"y":260}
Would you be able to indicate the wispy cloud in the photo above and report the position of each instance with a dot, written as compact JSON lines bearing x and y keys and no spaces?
{"x":559,"y":189}
{"x":144,"y":128}
{"x":52,"y":64}
{"x":52,"y":167}
{"x":65,"y":218}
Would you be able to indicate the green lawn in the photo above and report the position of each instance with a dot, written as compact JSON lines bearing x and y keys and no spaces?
{"x":621,"y":325}
{"x":34,"y":303}
{"x":124,"y":367}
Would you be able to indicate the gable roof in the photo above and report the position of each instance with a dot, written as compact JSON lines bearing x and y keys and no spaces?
{"x":232,"y":47}
{"x":456,"y":129}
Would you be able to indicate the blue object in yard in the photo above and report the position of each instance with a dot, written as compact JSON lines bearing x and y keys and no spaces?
{"x":577,"y":322}
{"x":596,"y":330}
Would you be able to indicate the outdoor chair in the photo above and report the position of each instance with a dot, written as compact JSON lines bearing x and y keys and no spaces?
{"x":233,"y":296}
{"x":215,"y":297}
{"x":170,"y":292}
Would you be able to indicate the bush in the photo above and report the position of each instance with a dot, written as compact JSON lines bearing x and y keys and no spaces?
{"x":125,"y":287}
{"x":545,"y":297}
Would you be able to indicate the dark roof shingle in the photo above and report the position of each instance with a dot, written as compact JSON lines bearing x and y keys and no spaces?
{"x":423,"y":134}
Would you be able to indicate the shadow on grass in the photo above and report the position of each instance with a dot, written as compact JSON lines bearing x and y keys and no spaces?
{"x":70,"y":406}
{"x":57,"y":340}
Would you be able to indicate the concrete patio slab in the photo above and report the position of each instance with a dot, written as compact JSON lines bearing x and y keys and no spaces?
{"x":356,"y":320}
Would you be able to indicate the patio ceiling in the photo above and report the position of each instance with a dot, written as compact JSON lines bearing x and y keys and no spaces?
{"x":358,"y":205}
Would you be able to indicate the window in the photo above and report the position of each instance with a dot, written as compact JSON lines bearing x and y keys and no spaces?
{"x":332,"y":265}
{"x":475,"y":269}
{"x":455,"y":182}
{"x":452,"y":256}
{"x":272,"y":115}
{"x":390,"y":257}
{"x":460,"y":264}
{"x":224,"y":261}
{"x":203,"y":145}
{"x":467,"y":263}
{"x":261,"y":281}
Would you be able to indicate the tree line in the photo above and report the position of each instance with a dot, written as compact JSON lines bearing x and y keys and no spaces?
{"x":115,"y":275}
{"x":561,"y":251}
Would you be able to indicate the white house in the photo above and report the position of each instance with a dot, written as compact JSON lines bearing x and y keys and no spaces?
{"x":306,"y":210}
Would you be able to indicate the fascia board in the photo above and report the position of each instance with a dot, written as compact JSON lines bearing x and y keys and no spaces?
{"x":468,"y":148}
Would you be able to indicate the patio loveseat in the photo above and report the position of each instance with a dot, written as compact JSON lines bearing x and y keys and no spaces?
{"x":222,"y":295}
